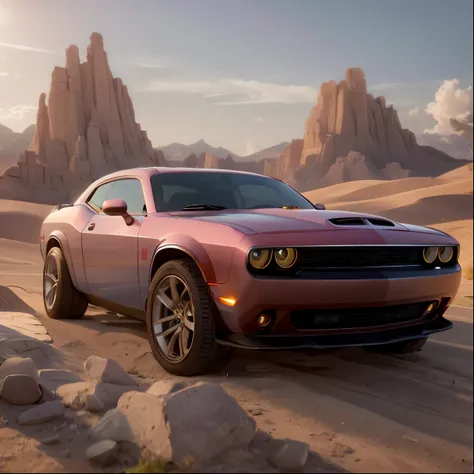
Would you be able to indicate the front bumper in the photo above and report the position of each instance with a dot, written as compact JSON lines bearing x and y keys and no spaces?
{"x":281,"y":297}
{"x":327,"y":341}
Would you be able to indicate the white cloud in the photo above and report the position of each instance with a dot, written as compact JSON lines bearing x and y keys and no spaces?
{"x":240,"y":92}
{"x":251,"y":148}
{"x":451,"y":102}
{"x":414,"y":112}
{"x":22,"y":47}
{"x":260,"y":119}
{"x":17,"y":112}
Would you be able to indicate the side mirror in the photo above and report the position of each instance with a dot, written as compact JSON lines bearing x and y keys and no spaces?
{"x":117,"y":207}
{"x":319,"y":206}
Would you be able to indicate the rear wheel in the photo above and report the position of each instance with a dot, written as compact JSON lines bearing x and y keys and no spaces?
{"x":401,"y":347}
{"x":180,"y":321}
{"x":61,"y":300}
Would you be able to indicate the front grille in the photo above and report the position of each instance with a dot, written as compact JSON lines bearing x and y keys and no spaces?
{"x":357,"y":257}
{"x":347,"y":318}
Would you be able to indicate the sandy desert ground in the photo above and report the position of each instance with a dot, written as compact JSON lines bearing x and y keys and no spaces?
{"x":360,"y":412}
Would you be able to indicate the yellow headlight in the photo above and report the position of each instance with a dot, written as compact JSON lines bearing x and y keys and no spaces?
{"x":445,"y":254}
{"x":260,"y":258}
{"x":286,"y":257}
{"x":430,"y":254}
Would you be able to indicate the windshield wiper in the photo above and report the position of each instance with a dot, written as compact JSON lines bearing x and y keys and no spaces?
{"x":203,"y":207}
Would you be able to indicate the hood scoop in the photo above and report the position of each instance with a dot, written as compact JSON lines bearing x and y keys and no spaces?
{"x":361,"y":221}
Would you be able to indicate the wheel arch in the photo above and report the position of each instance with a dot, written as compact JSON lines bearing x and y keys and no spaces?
{"x":170,"y":252}
{"x":59,"y":240}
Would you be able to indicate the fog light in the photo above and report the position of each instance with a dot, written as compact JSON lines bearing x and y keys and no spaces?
{"x":432,"y":307}
{"x":264,"y":320}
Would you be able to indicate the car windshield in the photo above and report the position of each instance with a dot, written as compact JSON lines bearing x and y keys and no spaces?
{"x":201,"y":190}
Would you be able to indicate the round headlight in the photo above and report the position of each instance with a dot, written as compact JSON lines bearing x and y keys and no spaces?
{"x":445,"y":254}
{"x":260,"y":258}
{"x":285,"y":258}
{"x":430,"y":254}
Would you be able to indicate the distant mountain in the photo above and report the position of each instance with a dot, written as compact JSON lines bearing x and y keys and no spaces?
{"x":176,"y":152}
{"x":13,"y":143}
{"x":271,"y":152}
{"x":179,"y":152}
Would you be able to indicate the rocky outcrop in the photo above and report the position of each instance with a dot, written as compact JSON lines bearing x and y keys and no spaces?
{"x":352,"y":135}
{"x":86,"y":129}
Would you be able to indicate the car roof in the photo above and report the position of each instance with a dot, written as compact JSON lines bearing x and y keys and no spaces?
{"x":151,"y":170}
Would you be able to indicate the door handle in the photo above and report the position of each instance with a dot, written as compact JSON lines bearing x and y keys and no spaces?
{"x":91,"y":226}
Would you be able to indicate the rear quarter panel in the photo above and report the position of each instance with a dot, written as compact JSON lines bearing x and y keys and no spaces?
{"x":66,"y":225}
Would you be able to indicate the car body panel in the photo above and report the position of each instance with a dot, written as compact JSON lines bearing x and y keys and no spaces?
{"x":113,"y":262}
{"x":285,"y":220}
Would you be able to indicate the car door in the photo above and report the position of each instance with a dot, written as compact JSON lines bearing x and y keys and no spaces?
{"x":110,"y":246}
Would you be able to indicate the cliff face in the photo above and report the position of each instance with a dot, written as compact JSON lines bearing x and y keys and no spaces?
{"x":352,"y":135}
{"x":87,"y":129}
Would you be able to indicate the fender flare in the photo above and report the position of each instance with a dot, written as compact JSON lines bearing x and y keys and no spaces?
{"x":61,"y":239}
{"x":193,"y":249}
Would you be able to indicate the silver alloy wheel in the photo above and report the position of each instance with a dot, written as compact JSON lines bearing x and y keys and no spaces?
{"x":173,"y":318}
{"x":50,"y":282}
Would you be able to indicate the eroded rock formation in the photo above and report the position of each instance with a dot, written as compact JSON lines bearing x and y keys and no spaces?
{"x":352,"y":135}
{"x":85,"y":130}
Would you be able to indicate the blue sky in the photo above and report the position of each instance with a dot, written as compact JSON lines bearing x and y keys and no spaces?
{"x":241,"y":74}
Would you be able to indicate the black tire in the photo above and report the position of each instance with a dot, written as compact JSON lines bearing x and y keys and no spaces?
{"x":68,"y":303}
{"x":205,"y":355}
{"x":402,"y":347}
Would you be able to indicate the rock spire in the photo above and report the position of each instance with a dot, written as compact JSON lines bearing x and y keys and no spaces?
{"x":86,"y":129}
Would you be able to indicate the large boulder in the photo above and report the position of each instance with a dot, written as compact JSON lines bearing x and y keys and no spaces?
{"x":201,"y":421}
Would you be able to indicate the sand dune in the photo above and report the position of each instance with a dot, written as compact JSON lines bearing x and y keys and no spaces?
{"x":21,"y":221}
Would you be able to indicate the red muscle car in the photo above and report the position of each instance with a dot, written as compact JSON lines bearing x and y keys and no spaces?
{"x":215,"y":259}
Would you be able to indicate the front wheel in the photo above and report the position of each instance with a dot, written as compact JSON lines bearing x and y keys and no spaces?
{"x":180,"y":320}
{"x":401,"y":347}
{"x":61,"y":300}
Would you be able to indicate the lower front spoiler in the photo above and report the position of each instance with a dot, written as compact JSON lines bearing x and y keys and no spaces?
{"x":328,"y":341}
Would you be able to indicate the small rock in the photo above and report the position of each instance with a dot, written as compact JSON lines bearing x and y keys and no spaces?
{"x":94,"y":404}
{"x":54,"y":439}
{"x":65,"y":453}
{"x":54,"y":378}
{"x":291,"y":457}
{"x":74,"y":394}
{"x":47,"y":395}
{"x":103,"y":453}
{"x":109,"y":394}
{"x":165,"y":387}
{"x":19,"y":366}
{"x":107,"y":371}
{"x":113,"y":425}
{"x":43,"y":413}
{"x":19,"y":389}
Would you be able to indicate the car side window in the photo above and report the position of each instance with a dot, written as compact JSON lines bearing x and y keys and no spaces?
{"x":131,"y":191}
{"x":100,"y":195}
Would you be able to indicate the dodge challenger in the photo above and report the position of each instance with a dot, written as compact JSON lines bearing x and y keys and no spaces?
{"x":213,"y":260}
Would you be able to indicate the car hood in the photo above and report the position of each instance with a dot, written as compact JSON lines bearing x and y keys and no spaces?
{"x":289,"y":220}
